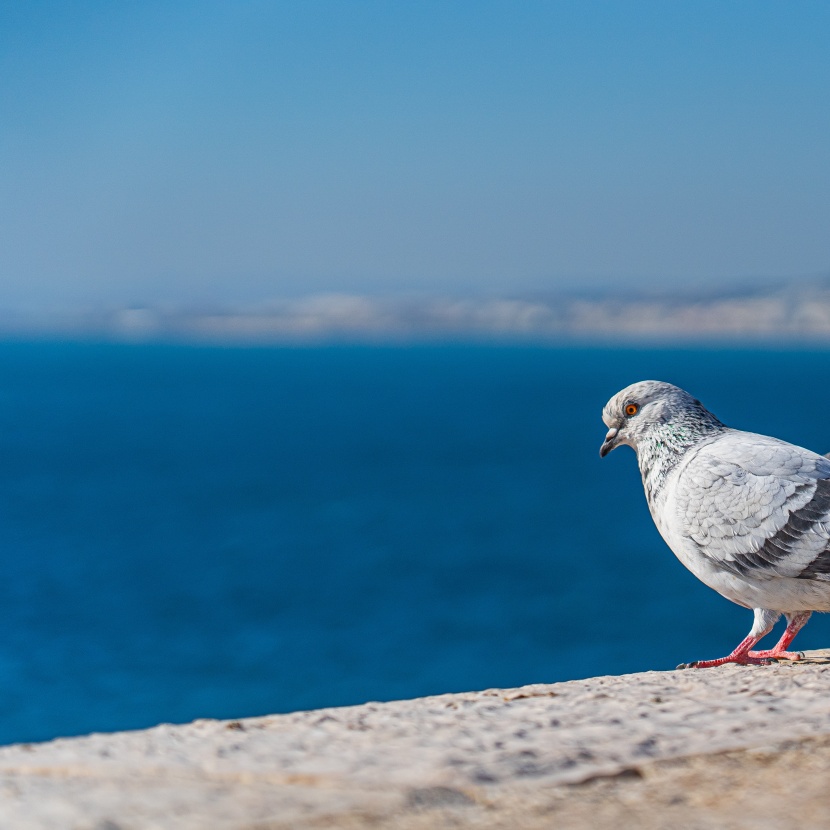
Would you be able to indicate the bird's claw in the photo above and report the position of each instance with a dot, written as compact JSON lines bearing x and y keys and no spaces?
{"x":740,"y":661}
{"x":790,"y":657}
{"x":779,"y":656}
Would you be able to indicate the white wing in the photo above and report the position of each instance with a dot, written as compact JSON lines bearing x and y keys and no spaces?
{"x":756,"y":505}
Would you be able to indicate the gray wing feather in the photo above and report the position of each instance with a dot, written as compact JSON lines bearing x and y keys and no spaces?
{"x":756,"y":505}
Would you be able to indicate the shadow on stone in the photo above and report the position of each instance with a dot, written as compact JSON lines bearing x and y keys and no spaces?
{"x":428,"y":798}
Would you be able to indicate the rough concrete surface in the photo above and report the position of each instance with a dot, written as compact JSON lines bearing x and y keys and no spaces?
{"x":732,"y":747}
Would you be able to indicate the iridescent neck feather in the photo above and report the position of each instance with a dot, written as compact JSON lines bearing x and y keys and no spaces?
{"x":662,"y":446}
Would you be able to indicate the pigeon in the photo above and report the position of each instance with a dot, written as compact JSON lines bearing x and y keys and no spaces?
{"x":747,"y":514}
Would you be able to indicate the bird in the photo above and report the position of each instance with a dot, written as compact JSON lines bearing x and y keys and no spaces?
{"x":747,"y":514}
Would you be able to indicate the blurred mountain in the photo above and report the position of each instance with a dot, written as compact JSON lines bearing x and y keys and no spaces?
{"x":792,"y":310}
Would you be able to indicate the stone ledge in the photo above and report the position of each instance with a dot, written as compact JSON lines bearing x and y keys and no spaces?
{"x":725,"y":747}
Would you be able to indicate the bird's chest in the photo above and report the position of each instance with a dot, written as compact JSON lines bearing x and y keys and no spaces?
{"x":664,"y":512}
{"x":659,"y":470}
{"x":668,"y":518}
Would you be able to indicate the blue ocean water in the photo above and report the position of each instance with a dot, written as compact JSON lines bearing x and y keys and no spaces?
{"x":204,"y":532}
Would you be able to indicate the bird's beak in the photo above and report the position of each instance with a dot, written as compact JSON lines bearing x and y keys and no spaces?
{"x":609,"y":443}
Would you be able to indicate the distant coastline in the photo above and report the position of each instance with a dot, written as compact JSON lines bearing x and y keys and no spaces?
{"x":792,"y":311}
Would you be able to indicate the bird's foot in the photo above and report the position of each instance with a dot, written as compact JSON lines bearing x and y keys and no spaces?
{"x":778,"y":655}
{"x":745,"y":659}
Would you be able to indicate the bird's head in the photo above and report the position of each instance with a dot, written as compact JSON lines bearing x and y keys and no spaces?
{"x":639,"y":411}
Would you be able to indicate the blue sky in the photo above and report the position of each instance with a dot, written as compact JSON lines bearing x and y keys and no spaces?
{"x":192,"y":152}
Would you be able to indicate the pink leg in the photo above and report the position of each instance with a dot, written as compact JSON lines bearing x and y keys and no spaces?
{"x":794,"y":624}
{"x":764,"y":623}
{"x":741,"y":655}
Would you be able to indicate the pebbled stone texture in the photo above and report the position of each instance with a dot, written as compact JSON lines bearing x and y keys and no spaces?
{"x":726,"y":747}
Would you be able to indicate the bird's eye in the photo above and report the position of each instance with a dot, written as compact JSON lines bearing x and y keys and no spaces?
{"x":631,"y":409}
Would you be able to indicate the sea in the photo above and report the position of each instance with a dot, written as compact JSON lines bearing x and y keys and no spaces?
{"x":208,"y":532}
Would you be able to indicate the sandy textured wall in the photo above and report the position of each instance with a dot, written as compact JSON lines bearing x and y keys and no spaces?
{"x":727,"y":747}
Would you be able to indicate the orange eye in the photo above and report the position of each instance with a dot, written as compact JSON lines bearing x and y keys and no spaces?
{"x":631,"y":409}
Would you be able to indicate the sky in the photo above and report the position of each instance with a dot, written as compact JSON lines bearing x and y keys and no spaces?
{"x":235,"y":152}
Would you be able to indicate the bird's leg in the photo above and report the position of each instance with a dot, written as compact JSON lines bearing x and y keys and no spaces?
{"x":740,"y":655}
{"x":764,"y":622}
{"x":795,"y":622}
